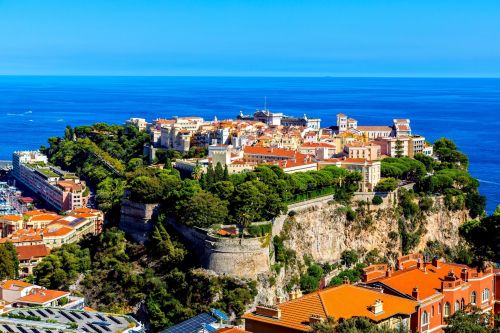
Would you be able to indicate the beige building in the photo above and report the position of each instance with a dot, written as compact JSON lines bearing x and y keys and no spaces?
{"x":369,"y":151}
{"x":370,"y":170}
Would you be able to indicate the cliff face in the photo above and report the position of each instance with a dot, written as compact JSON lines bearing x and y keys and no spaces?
{"x":322,"y":231}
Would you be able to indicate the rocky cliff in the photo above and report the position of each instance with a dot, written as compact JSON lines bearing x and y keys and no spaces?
{"x":322,"y":230}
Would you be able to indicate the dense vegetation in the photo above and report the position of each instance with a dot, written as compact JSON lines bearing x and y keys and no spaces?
{"x":446,"y":176}
{"x":471,"y":320}
{"x":352,"y":325}
{"x":116,"y":275}
{"x":9,"y":263}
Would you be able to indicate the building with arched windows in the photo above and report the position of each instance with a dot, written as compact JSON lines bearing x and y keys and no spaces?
{"x":440,"y":288}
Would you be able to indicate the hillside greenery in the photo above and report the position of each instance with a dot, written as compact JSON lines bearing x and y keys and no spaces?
{"x":116,"y":275}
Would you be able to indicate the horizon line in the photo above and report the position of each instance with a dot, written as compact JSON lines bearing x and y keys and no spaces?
{"x":326,"y":76}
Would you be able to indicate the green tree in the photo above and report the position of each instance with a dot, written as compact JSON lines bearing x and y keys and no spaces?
{"x":497,"y":211}
{"x":399,"y":149}
{"x":9,"y":262}
{"x":470,"y":320}
{"x":204,"y":209}
{"x":386,"y":185}
{"x":483,"y":236}
{"x":218,"y":172}
{"x":349,"y":257}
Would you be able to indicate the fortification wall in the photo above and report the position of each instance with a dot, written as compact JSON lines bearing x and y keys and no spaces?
{"x":241,"y":257}
{"x":138,"y":219}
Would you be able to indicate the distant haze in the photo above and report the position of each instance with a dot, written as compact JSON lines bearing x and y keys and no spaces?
{"x":259,"y":38}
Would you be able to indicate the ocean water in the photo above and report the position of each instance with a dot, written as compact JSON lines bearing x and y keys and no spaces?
{"x":466,"y":110}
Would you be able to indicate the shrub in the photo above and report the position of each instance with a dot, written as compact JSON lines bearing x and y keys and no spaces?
{"x":377,"y":200}
{"x":387,"y":185}
{"x":350,"y":214}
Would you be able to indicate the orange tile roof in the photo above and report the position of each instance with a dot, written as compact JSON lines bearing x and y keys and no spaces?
{"x":34,"y":212}
{"x":27,"y":252}
{"x":41,"y":296}
{"x":428,"y":281}
{"x":342,"y":302}
{"x":270,"y":151}
{"x":45,"y":217}
{"x":317,"y":144}
{"x":15,"y":284}
{"x":11,"y":218}
{"x":58,"y":232}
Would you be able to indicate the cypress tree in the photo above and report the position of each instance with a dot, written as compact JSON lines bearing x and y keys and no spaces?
{"x":219,"y":173}
{"x":210,"y":178}
{"x":226,"y":172}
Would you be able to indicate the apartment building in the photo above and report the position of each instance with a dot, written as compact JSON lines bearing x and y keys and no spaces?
{"x":53,"y":230}
{"x":439,"y":288}
{"x":60,"y":189}
{"x":369,"y":151}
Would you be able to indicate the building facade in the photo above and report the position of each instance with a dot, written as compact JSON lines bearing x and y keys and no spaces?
{"x":60,"y":189}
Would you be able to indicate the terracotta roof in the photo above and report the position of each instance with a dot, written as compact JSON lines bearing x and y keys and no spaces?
{"x":342,"y":302}
{"x":317,"y":145}
{"x":41,"y":296}
{"x":428,"y":281}
{"x":34,"y":212}
{"x":11,"y":218}
{"x":69,"y":184}
{"x":15,"y":284}
{"x":45,"y":217}
{"x":270,"y":151}
{"x":27,"y":252}
{"x":58,"y":232}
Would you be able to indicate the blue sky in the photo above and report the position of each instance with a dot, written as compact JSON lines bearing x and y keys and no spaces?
{"x":273,"y":37}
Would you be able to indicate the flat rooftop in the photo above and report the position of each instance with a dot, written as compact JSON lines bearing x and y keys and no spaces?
{"x":55,"y":320}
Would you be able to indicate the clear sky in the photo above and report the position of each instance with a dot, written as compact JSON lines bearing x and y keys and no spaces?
{"x":269,"y":37}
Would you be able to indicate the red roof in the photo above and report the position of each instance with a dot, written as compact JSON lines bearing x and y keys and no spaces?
{"x":317,"y":145}
{"x":32,"y":251}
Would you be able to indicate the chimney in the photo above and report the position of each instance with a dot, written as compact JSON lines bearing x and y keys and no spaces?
{"x":378,"y":307}
{"x":415,"y":293}
{"x":292,"y":295}
{"x":315,"y":319}
{"x":435,"y":262}
{"x":419,"y":263}
{"x":268,"y":311}
{"x":464,"y":274}
{"x":388,"y":272}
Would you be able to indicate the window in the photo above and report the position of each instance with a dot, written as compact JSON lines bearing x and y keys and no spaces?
{"x":462,"y":304}
{"x":439,"y":308}
{"x":486,"y":295}
{"x":447,"y":309}
{"x":432,"y":311}
{"x":425,"y":321}
{"x":473,"y":298}
{"x":457,"y":306}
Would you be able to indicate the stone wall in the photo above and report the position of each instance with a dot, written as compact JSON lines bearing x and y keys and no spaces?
{"x":138,"y":219}
{"x":241,"y":257}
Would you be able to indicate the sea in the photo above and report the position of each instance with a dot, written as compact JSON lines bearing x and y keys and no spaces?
{"x":34,"y":108}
